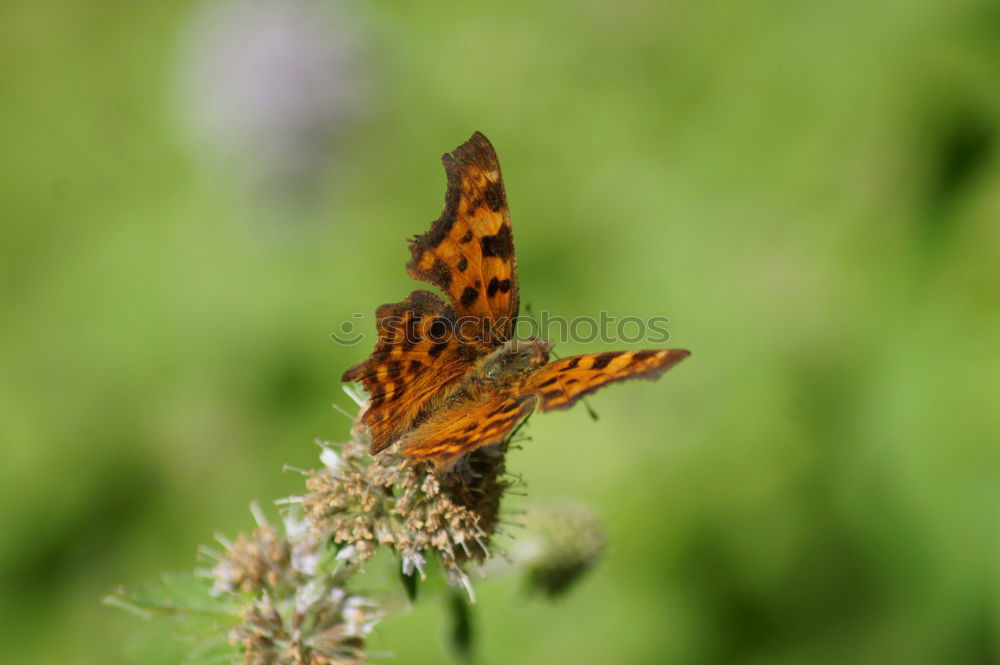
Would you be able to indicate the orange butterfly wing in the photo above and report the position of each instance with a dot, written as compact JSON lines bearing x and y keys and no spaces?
{"x":468,"y":254}
{"x":469,"y":251}
{"x":415,"y":360}
{"x":561,"y":383}
{"x":426,"y":347}
{"x":452,"y":433}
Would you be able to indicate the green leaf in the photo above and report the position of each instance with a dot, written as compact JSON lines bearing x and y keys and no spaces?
{"x":175,"y":594}
{"x":160,"y":643}
{"x":214,"y":652}
{"x":191,"y":624}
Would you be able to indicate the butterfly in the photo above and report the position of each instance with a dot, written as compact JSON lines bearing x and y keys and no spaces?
{"x":448,"y":377}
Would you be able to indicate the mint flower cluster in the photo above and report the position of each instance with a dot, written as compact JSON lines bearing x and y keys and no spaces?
{"x":288,"y":593}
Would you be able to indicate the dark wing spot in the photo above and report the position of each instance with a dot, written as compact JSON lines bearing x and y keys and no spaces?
{"x":500,"y":245}
{"x":601,"y":361}
{"x":495,"y":197}
{"x":439,"y":329}
{"x":470,"y":428}
{"x":549,"y":382}
{"x":513,"y":406}
{"x":497,"y":285}
{"x":573,"y":362}
{"x":466,"y":238}
{"x":438,"y":349}
{"x":570,"y":381}
{"x":441,"y":274}
{"x":469,"y":296}
{"x":463,"y":264}
{"x":643,"y":355}
{"x":415,"y":365}
{"x":552,"y":394}
{"x":395,"y":369}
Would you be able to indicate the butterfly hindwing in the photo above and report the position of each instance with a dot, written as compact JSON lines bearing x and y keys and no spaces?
{"x":469,"y":251}
{"x":561,"y":383}
{"x":460,"y":430}
{"x":416,"y":360}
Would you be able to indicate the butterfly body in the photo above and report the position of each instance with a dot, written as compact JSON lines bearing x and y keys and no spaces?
{"x":446,"y":378}
{"x":507,"y":366}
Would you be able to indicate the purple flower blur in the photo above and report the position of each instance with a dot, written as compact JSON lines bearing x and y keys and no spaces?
{"x":270,"y":86}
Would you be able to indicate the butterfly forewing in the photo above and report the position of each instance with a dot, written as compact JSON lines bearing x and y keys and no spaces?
{"x":469,"y":251}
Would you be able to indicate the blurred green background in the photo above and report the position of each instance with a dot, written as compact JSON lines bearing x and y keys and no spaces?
{"x":809,"y":190}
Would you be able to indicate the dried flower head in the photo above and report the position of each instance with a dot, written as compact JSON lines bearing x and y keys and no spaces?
{"x":279,"y":594}
{"x":363,"y":503}
{"x":297,"y":611}
{"x":253,"y":562}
